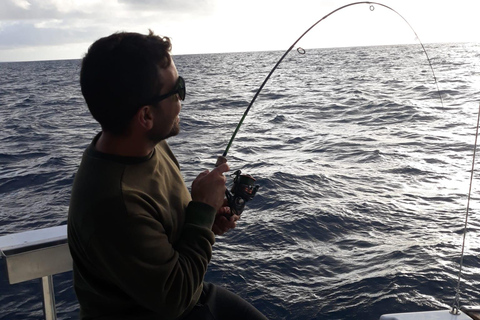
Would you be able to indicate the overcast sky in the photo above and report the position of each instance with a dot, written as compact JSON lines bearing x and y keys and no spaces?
{"x":63,"y":29}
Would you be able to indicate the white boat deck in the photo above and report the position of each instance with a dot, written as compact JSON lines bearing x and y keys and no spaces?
{"x":428,"y":315}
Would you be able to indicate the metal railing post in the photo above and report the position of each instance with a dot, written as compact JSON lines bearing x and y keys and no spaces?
{"x":49,"y":309}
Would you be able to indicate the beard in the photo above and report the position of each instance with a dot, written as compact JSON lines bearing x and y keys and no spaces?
{"x":175,"y":129}
{"x":158,"y":134}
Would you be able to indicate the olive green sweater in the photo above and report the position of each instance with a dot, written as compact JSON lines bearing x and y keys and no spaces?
{"x":140,"y":245}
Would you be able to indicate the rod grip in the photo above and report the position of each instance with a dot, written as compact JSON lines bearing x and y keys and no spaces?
{"x":220,"y":160}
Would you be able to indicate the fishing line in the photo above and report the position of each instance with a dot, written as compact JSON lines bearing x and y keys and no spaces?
{"x":302,"y":51}
{"x":456,"y":301}
{"x":249,"y":186}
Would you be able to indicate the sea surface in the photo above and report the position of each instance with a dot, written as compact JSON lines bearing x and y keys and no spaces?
{"x":363,"y":173}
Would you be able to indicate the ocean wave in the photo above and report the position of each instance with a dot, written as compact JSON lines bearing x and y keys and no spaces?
{"x":362,"y":173}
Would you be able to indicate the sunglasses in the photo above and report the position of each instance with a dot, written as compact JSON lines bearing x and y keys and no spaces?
{"x":179,"y":89}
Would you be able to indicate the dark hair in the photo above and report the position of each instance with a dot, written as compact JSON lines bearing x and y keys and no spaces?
{"x":120,"y":73}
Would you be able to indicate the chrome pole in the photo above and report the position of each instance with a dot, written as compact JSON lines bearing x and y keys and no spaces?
{"x":49,"y":309}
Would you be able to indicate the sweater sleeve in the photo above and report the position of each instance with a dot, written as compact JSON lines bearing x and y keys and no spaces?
{"x":136,"y":255}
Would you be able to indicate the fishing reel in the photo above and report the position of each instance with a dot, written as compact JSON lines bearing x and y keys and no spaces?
{"x":243,"y":190}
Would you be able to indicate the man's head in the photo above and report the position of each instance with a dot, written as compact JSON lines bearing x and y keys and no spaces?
{"x":121,"y":74}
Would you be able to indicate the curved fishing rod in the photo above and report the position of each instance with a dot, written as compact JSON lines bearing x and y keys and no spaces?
{"x":244,"y":188}
{"x":293,"y":45}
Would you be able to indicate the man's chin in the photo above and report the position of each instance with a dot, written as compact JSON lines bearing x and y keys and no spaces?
{"x":156,"y":138}
{"x":175,"y":131}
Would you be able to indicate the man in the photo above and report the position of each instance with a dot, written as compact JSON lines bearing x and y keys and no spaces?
{"x":140,"y":242}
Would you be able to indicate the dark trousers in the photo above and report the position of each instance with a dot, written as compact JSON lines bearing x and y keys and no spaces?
{"x":217,"y":303}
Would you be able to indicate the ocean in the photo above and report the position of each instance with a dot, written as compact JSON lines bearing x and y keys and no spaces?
{"x":363,"y":174}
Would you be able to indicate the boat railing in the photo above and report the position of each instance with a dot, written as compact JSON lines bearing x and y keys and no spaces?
{"x":42,"y":253}
{"x":37,"y":254}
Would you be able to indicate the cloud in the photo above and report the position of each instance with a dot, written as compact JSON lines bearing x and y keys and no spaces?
{"x":14,"y":10}
{"x":20,"y":34}
{"x":47,"y":22}
{"x":169,"y":6}
{"x":24,"y":4}
{"x":52,"y":22}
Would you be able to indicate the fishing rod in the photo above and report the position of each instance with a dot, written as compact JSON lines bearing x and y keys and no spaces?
{"x":244,"y":188}
{"x":303,"y":51}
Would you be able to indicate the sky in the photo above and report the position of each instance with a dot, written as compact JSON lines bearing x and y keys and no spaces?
{"x":63,"y":29}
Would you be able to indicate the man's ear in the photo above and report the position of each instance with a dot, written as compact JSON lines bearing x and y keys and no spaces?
{"x":144,"y":117}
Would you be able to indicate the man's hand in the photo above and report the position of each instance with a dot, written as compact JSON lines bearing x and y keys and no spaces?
{"x":222,"y":224}
{"x":209,"y":186}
